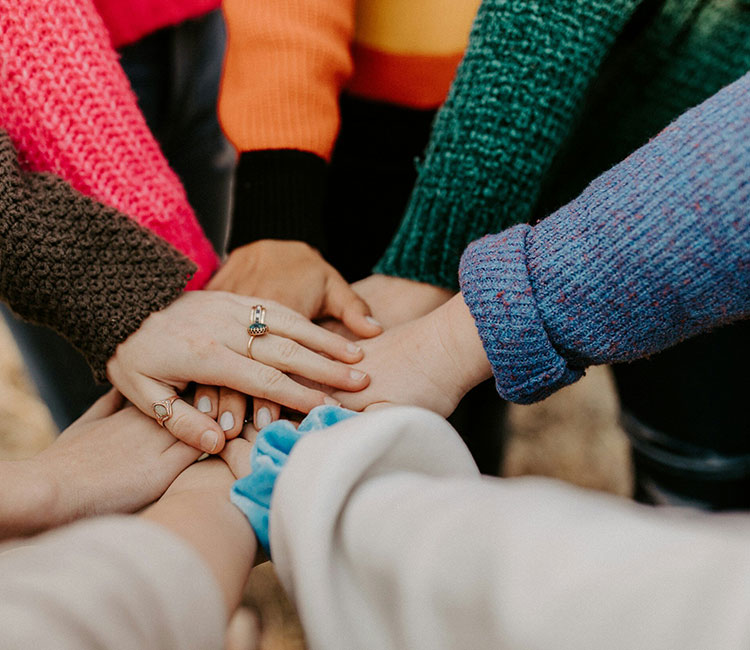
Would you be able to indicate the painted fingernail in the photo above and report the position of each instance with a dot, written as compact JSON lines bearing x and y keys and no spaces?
{"x":353,"y":349}
{"x":357,"y":375}
{"x":209,"y":441}
{"x":204,"y":404}
{"x":263,"y":418}
{"x":226,"y":421}
{"x":374,"y":322}
{"x":331,"y":402}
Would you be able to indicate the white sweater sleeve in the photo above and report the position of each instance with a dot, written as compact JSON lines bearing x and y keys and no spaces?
{"x":386,"y":536}
{"x":119,"y":583}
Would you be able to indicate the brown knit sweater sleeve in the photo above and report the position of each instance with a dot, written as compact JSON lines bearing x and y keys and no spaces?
{"x":77,"y":266}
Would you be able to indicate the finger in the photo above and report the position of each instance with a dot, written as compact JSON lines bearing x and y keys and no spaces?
{"x":107,"y":404}
{"x":186,"y":422}
{"x":232,"y":406}
{"x":249,"y":432}
{"x":179,"y":456}
{"x":206,"y":400}
{"x":265,"y":412}
{"x":289,"y":324}
{"x":343,"y":303}
{"x":289,"y":356}
{"x":236,"y":454}
{"x":258,"y":380}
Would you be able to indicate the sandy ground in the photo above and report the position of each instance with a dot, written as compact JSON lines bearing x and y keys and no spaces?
{"x":572,"y":436}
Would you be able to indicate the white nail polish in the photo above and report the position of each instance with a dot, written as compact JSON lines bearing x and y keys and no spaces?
{"x":331,"y":402}
{"x":204,"y":404}
{"x":372,"y":321}
{"x":226,"y":421}
{"x":356,"y":375}
{"x":353,"y":349}
{"x":263,"y":418}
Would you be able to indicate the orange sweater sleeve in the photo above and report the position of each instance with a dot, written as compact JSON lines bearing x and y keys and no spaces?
{"x":286,"y":63}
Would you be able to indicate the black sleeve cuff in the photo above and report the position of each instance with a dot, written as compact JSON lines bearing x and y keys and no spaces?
{"x":279,"y":194}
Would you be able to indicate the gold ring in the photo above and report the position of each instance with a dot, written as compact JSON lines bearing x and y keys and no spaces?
{"x":163,"y":409}
{"x":257,"y":325}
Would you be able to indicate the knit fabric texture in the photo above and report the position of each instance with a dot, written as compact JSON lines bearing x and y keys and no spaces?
{"x":69,"y":109}
{"x":654,"y":251}
{"x":515,"y":98}
{"x":79,"y":267}
{"x":673,"y":55}
{"x":518,"y":139}
{"x":129,"y":21}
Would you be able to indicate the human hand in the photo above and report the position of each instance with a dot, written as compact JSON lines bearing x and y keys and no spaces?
{"x":431,"y":362}
{"x":202,"y":337}
{"x":397,"y":300}
{"x":296,"y":275}
{"x":108,"y":461}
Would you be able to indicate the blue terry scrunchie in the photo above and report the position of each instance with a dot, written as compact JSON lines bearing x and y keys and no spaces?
{"x":252,"y":494}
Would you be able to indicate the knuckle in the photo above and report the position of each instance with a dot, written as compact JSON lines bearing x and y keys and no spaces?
{"x":285,"y":320}
{"x":287,"y":350}
{"x":270,"y":378}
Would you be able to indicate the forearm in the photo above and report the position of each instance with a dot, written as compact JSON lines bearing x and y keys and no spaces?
{"x":207,"y":521}
{"x":83,"y":122}
{"x":111,"y":582}
{"x":77,"y":266}
{"x":653,"y":252}
{"x":284,"y":118}
{"x":401,"y":529}
{"x":510,"y":107}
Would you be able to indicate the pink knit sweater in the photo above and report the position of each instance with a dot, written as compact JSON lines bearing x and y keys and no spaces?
{"x":128,"y":20}
{"x":69,"y":109}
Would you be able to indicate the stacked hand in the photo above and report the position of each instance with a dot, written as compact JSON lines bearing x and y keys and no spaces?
{"x":295,"y":275}
{"x":203,"y":337}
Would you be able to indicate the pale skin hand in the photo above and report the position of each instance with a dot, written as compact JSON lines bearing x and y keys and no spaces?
{"x":293,"y":274}
{"x":396,"y":300}
{"x":430,"y":362}
{"x":202,"y":337}
{"x":107,"y":461}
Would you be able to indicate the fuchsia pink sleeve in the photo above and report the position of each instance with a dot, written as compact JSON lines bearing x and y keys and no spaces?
{"x":69,"y":110}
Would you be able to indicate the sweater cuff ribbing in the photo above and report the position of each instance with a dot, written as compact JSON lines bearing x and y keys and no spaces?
{"x":279,"y":194}
{"x":496,"y":287}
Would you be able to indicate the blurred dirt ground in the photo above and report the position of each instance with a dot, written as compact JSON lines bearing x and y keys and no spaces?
{"x":572,"y":436}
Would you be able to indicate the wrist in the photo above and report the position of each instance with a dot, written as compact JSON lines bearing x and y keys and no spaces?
{"x":461,"y":343}
{"x":30,"y":501}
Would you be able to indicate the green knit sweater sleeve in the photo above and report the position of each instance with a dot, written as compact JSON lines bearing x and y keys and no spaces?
{"x":514,"y":100}
{"x":79,"y":267}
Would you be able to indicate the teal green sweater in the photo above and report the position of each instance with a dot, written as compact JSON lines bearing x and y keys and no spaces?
{"x":549,"y":95}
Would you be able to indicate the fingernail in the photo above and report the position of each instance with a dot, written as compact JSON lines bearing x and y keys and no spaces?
{"x":263,"y":418}
{"x":204,"y":404}
{"x":331,"y":402}
{"x":374,"y":322}
{"x":226,"y":421}
{"x":209,"y":441}
{"x":353,"y":349}
{"x":356,"y":375}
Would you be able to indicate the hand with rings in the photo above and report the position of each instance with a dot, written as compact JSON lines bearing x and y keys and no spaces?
{"x":233,"y":342}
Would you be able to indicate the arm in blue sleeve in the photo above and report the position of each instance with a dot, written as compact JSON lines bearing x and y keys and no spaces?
{"x":654,"y":251}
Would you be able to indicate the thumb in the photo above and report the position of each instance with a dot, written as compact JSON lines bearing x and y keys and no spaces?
{"x":343,"y":303}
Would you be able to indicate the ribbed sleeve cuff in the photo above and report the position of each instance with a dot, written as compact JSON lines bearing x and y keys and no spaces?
{"x":279,"y":194}
{"x":422,"y":250}
{"x":497,"y":289}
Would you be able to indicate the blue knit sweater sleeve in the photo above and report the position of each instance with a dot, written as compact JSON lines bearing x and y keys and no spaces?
{"x":654,"y":251}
